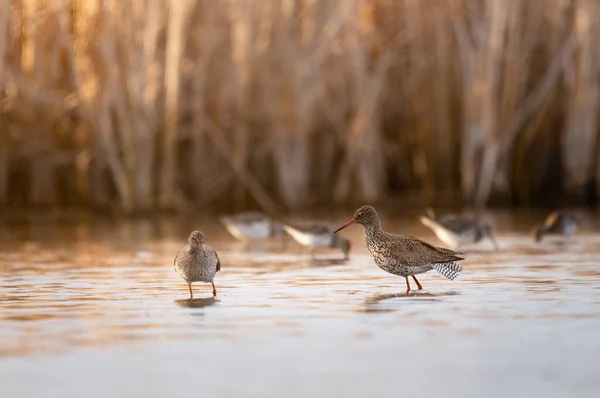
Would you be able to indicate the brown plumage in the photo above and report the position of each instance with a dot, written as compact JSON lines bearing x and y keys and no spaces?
{"x":197,"y":262}
{"x":557,"y":223}
{"x":404,"y":255}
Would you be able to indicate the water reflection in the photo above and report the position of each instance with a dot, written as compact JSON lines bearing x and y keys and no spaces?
{"x":412,"y":294}
{"x":326,"y":262}
{"x":197,"y":302}
{"x":67,"y":290}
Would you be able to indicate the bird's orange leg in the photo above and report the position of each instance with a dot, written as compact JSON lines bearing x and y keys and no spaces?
{"x":407,"y":285}
{"x":418,"y":284}
{"x":214,"y":289}
{"x":191,"y":294}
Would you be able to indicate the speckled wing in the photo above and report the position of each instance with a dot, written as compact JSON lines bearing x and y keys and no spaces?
{"x":447,"y":251}
{"x":183,"y":249}
{"x":218,"y":261}
{"x":421,"y":253}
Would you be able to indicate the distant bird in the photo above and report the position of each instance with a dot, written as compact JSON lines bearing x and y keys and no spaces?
{"x":249,"y":226}
{"x":404,"y":255}
{"x":197,"y":262}
{"x":457,"y":231}
{"x":316,"y":234}
{"x":557,"y":223}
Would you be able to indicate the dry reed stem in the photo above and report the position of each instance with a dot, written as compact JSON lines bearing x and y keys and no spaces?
{"x":530,"y":105}
{"x":285,"y":104}
{"x":580,"y":131}
{"x":176,"y":24}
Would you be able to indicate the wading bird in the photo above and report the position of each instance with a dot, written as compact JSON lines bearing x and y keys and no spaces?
{"x":458,"y":231}
{"x":403,"y":255}
{"x":251,"y":226}
{"x":197,"y":262}
{"x":557,"y":223}
{"x":316,"y":234}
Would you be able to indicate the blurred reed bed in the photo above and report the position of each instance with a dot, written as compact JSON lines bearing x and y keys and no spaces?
{"x":141,"y":105}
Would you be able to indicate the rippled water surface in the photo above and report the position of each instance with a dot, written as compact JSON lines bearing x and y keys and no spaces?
{"x":94,"y":309}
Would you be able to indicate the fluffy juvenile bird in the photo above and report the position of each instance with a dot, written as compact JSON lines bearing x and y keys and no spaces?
{"x":403,"y":255}
{"x":197,"y":262}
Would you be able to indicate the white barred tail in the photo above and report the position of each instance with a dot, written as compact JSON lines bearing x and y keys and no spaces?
{"x":449,"y":270}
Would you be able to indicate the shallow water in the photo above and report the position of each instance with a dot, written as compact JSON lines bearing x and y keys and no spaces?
{"x":95,"y":309}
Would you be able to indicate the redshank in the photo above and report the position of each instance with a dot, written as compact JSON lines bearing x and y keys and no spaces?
{"x":557,"y":223}
{"x":457,"y":231}
{"x":197,"y":262}
{"x":403,"y":255}
{"x":316,"y":234}
{"x":249,"y":226}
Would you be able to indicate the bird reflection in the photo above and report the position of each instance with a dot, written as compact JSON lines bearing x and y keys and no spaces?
{"x":381,"y":297}
{"x":563,"y":243}
{"x":326,"y":262}
{"x":197,"y":302}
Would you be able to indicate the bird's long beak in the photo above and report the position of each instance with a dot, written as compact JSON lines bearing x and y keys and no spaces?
{"x":353,"y":221}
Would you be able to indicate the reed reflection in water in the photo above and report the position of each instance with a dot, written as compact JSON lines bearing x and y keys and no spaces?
{"x":90,"y":310}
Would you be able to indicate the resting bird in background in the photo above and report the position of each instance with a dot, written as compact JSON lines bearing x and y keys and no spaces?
{"x":457,"y":231}
{"x":316,"y":234}
{"x":403,"y":255}
{"x":197,"y":262}
{"x":557,"y":223}
{"x":249,"y":226}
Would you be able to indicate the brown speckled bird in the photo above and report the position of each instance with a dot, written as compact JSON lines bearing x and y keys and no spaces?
{"x":403,"y":255}
{"x":557,"y":223}
{"x":197,"y":262}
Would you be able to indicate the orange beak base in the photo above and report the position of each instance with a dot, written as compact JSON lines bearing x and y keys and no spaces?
{"x":349,"y":223}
